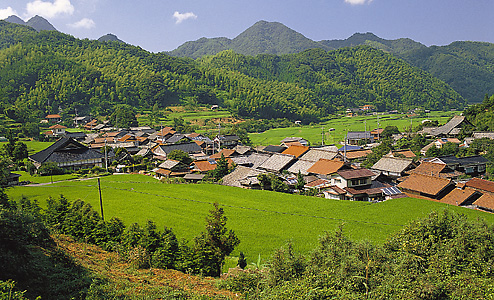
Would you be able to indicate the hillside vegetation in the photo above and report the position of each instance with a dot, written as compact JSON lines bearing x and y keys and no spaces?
{"x":49,"y":72}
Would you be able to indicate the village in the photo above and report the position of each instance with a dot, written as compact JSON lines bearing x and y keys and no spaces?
{"x":326,"y":171}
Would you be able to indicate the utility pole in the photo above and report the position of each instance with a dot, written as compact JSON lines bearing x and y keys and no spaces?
{"x":322,"y":134}
{"x":100,"y":200}
{"x":106,"y":157}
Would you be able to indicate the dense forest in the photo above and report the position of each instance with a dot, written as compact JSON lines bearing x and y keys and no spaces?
{"x":50,"y":72}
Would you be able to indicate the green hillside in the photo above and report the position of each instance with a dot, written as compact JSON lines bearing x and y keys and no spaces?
{"x":50,"y":72}
{"x":263,"y":220}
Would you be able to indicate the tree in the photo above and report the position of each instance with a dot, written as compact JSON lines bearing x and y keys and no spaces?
{"x":213,"y":245}
{"x":124,"y":116}
{"x":242,"y":261}
{"x":181,"y":156}
{"x":221,"y":170}
{"x":20,"y":151}
{"x":300,"y":182}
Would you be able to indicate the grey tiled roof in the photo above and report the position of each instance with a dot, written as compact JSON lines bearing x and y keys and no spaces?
{"x":316,"y":154}
{"x":392,"y":164}
{"x":66,"y":150}
{"x":302,"y":166}
{"x":277,"y":162}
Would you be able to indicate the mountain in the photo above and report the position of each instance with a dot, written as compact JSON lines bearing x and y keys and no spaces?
{"x":41,"y":72}
{"x":15,"y":19}
{"x":110,"y":38}
{"x":275,"y":38}
{"x":468,"y":67}
{"x":397,"y":46}
{"x":262,"y":37}
{"x":36,"y":22}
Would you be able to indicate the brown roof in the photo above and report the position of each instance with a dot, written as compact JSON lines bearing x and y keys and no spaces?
{"x":111,"y":134}
{"x":193,"y":134}
{"x":319,"y":183}
{"x":485,"y":201}
{"x":457,"y":197}
{"x":428,"y":168}
{"x":163,"y":172}
{"x":225,"y":152}
{"x":166,"y":131}
{"x":481,"y":184}
{"x":102,"y":140}
{"x":204,"y":165}
{"x":355,"y":173}
{"x":127,"y":138}
{"x":295,"y":150}
{"x":405,"y":153}
{"x":55,"y":116}
{"x":57,"y":126}
{"x":326,"y":166}
{"x":357,"y":153}
{"x":289,"y":144}
{"x":431,"y":185}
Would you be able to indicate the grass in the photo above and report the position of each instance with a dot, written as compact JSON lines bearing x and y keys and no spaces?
{"x":263,"y":220}
{"x":32,"y":146}
{"x":313,"y":133}
{"x":25,"y":176}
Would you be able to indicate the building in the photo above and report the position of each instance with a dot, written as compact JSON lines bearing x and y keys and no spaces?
{"x":68,"y":153}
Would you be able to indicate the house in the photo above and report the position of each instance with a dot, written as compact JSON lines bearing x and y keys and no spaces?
{"x":316,"y":154}
{"x":225,"y":152}
{"x":296,"y":150}
{"x":301,"y":166}
{"x":481,"y":185}
{"x":470,"y":165}
{"x":277,"y":162}
{"x":376,"y":133}
{"x":356,"y":155}
{"x":358,"y":185}
{"x":54,"y":118}
{"x":426,"y":186}
{"x":325,"y":167}
{"x":227,"y":141}
{"x":401,"y":153}
{"x":485,"y":203}
{"x":176,"y":138}
{"x":91,"y":124}
{"x":254,"y":160}
{"x":359,"y":137}
{"x":461,"y":197}
{"x":170,"y":168}
{"x":78,"y":136}
{"x":190,"y":148}
{"x":273,"y":149}
{"x":393,"y":167}
{"x":290,"y":140}
{"x":435,"y":169}
{"x":81,"y":120}
{"x":58,"y":130}
{"x":242,"y":177}
{"x":204,"y":166}
{"x":13,"y":179}
{"x":68,"y":153}
{"x":450,"y":129}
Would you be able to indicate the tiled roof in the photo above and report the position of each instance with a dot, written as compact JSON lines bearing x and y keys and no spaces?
{"x":205,"y":165}
{"x":186,"y":147}
{"x":446,"y":128}
{"x":320,"y":183}
{"x":55,"y":116}
{"x":405,"y":153}
{"x":326,"y":166}
{"x":357,"y":153}
{"x":457,"y":197}
{"x":240,"y":173}
{"x":392,"y":164}
{"x":481,"y":184}
{"x":225,"y":152}
{"x":293,"y":144}
{"x":485,"y":201}
{"x":163,"y":172}
{"x":57,"y":126}
{"x":355,"y":173}
{"x":277,"y":162}
{"x":295,"y":150}
{"x":302,"y":166}
{"x":316,"y":154}
{"x":274,"y":148}
{"x":257,"y":159}
{"x":169,"y":164}
{"x":66,"y":150}
{"x":431,"y":185}
{"x":434,"y":169}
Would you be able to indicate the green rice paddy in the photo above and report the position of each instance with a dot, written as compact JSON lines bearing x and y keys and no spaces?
{"x":263,"y":220}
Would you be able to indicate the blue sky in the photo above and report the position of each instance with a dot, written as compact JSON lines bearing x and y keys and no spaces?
{"x":163,"y":25}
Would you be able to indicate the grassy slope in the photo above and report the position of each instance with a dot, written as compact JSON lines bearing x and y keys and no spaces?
{"x":263,"y":220}
{"x":341,"y":125}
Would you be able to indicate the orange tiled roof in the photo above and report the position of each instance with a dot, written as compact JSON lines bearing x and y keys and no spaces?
{"x":485,"y":201}
{"x":163,"y":172}
{"x":429,"y":168}
{"x":102,"y":140}
{"x":431,"y":185}
{"x":296,"y":150}
{"x":57,"y":126}
{"x":204,"y":165}
{"x":326,"y":166}
{"x":357,"y":153}
{"x":55,"y":116}
{"x":481,"y":184}
{"x":457,"y":197}
{"x":225,"y":152}
{"x":405,"y":153}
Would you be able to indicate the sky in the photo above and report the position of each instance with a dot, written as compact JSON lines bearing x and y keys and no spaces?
{"x":163,"y":25}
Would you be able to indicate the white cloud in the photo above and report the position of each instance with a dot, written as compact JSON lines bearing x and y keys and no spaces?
{"x":83,"y":24}
{"x":49,"y":9}
{"x":358,"y":2}
{"x":179,"y":18}
{"x":7,"y":12}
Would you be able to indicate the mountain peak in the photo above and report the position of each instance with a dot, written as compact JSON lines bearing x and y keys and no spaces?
{"x":110,"y":38}
{"x":39,"y":23}
{"x":36,"y":22}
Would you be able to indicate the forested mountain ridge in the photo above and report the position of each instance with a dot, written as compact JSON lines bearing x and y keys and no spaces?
{"x":50,"y":72}
{"x":466,"y":66}
{"x":36,"y":22}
